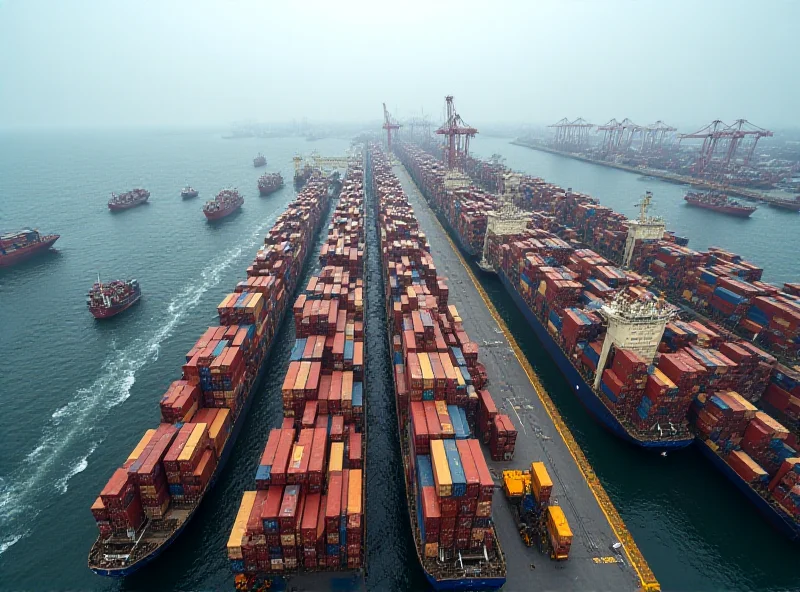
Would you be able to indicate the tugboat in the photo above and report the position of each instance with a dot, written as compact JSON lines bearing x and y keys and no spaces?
{"x":108,"y":300}
{"x":22,"y":244}
{"x":719,"y":202}
{"x":259,"y":161}
{"x":188,"y":192}
{"x":225,"y":204}
{"x":269,"y":183}
{"x":127,"y":200}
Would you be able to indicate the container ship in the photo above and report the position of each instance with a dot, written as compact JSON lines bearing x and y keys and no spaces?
{"x":724,"y":377}
{"x":108,"y":300}
{"x":302,"y":174}
{"x":552,"y":284}
{"x":150,"y":499}
{"x":305,"y":521}
{"x":23,"y":244}
{"x":269,"y":183}
{"x":127,"y":200}
{"x":224,"y":204}
{"x":718,"y":202}
{"x":449,"y":487}
{"x":787,"y":204}
{"x":189,"y":192}
{"x":259,"y":161}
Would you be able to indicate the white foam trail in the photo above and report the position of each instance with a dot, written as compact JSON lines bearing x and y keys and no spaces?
{"x":91,"y":404}
{"x":77,"y":467}
{"x":9,"y":542}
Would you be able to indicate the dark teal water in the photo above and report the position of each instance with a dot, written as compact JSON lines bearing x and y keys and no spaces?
{"x":77,"y":394}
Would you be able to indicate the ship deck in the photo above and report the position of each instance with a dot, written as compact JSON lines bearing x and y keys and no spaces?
{"x":592,"y":564}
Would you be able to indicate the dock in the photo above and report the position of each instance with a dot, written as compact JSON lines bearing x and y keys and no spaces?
{"x":667,"y":176}
{"x":595,"y":562}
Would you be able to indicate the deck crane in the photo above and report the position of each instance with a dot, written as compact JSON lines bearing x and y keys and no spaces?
{"x":389,"y":124}
{"x":458,"y":134}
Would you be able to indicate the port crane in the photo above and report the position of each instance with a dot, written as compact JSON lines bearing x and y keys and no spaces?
{"x":389,"y":124}
{"x":571,"y":134}
{"x":725,"y":141}
{"x":458,"y":134}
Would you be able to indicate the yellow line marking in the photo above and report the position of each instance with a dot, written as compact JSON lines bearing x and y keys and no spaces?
{"x":647,"y":579}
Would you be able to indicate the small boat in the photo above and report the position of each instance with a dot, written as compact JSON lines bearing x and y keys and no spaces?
{"x":259,"y":161}
{"x":188,"y":192}
{"x":108,"y":300}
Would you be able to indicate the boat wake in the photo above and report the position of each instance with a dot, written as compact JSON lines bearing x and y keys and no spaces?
{"x":76,"y":423}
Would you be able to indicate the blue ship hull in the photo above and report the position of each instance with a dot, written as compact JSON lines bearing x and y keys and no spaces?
{"x":777,"y":517}
{"x":578,"y":384}
{"x":226,"y":450}
{"x":466,"y":583}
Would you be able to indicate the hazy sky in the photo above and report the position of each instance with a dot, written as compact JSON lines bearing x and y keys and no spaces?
{"x":112,"y":63}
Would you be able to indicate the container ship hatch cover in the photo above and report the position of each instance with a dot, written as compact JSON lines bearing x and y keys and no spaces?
{"x":150,"y":499}
{"x":442,"y":395}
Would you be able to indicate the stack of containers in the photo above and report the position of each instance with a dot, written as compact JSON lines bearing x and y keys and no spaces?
{"x":783,"y":393}
{"x":696,"y":359}
{"x":438,"y":381}
{"x":307,"y":512}
{"x":172,"y":466}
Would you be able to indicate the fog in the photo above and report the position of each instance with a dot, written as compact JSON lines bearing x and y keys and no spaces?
{"x":192,"y":63}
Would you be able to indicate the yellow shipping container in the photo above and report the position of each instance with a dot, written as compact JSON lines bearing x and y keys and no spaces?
{"x":542,"y":288}
{"x":663,"y":377}
{"x":557,"y":523}
{"x":749,"y":408}
{"x":539,"y":478}
{"x":441,"y":469}
{"x":354,"y":492}
{"x":337,"y":457}
{"x":687,"y":295}
{"x":219,"y":421}
{"x":302,"y":376}
{"x":192,"y":442}
{"x":140,"y":446}
{"x":240,"y":525}
{"x":427,"y":370}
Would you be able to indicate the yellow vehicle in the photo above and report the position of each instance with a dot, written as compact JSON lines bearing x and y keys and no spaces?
{"x":529,"y":495}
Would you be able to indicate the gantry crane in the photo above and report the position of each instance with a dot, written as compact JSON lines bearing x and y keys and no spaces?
{"x":571,"y":134}
{"x":716,"y":136}
{"x":389,"y":124}
{"x":458,"y":134}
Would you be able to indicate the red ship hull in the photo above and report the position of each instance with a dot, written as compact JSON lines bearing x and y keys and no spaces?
{"x":9,"y":259}
{"x":111,"y":311}
{"x":219,"y":214}
{"x":117,"y":207}
{"x":741,"y":212}
{"x":265,"y":191}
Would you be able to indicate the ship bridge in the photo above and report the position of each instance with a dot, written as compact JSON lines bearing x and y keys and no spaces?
{"x":634,"y":324}
{"x":643,"y":228}
{"x":507,"y":218}
{"x":326,"y":164}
